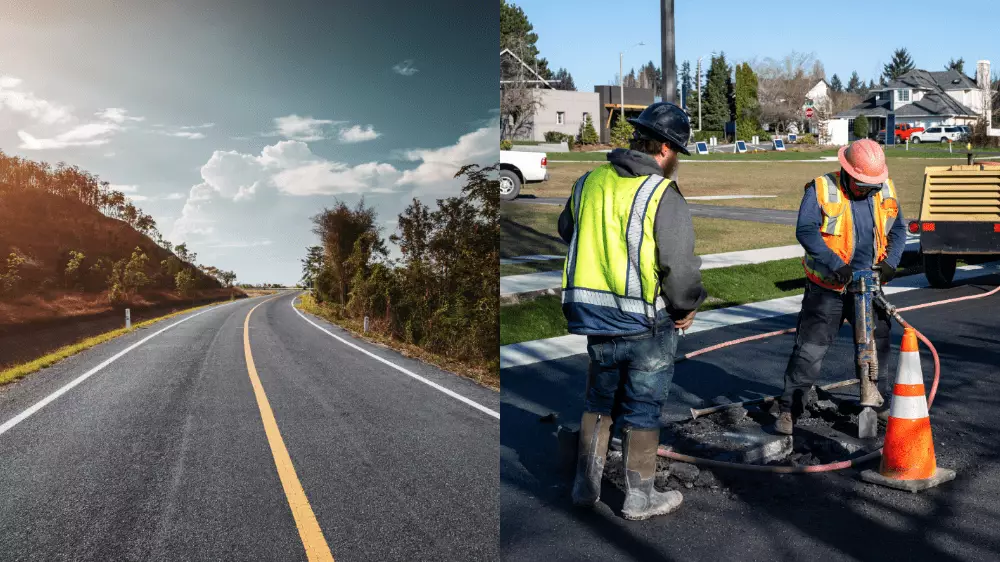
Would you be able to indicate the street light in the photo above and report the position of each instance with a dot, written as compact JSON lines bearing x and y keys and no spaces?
{"x":699,"y":89}
{"x":621,"y":76}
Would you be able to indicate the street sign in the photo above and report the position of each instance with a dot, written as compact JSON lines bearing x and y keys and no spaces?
{"x":779,"y":144}
{"x":701,"y":147}
{"x":809,"y":113}
{"x":741,"y":146}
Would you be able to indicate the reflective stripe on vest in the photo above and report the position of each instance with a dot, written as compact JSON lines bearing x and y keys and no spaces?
{"x":611,"y":300}
{"x":633,"y":234}
{"x":575,"y":209}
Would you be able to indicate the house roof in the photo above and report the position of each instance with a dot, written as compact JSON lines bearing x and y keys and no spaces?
{"x":925,"y":80}
{"x":538,"y":78}
{"x":934,"y":103}
{"x":871,"y":107}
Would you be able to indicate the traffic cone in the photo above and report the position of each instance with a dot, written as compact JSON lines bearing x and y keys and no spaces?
{"x":908,"y":461}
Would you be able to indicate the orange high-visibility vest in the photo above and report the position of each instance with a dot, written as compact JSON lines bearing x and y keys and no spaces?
{"x":838,"y":226}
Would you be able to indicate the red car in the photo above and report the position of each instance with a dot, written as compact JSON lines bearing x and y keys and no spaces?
{"x":903,"y":132}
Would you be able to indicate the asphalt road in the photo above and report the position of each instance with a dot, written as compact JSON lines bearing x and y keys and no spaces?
{"x":163,"y":454}
{"x":768,"y":517}
{"x":773,"y":216}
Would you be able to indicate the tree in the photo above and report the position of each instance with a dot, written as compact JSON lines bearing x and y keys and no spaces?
{"x":312,"y":264}
{"x":588,"y":135}
{"x":517,"y":34}
{"x":836,"y":85}
{"x":861,"y":127}
{"x":518,"y":102}
{"x":686,"y":83}
{"x":621,"y":133}
{"x":339,"y":229}
{"x":958,"y":65}
{"x":900,"y":64}
{"x":715,"y":106}
{"x":782,"y":87}
{"x":854,"y":84}
{"x":747,"y":105}
{"x":563,"y":80}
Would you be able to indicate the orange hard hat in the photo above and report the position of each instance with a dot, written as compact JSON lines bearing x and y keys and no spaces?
{"x":864,"y":161}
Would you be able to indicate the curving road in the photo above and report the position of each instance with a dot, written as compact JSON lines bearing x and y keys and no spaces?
{"x":225,"y":435}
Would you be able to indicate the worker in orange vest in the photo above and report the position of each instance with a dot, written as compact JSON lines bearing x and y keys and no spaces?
{"x":848,"y":221}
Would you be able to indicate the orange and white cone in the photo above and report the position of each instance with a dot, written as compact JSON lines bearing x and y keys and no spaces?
{"x":908,"y":461}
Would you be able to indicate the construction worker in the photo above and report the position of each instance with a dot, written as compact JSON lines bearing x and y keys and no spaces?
{"x":630,"y":282}
{"x":848,"y":221}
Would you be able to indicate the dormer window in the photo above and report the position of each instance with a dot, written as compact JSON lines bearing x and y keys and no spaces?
{"x":902,"y":95}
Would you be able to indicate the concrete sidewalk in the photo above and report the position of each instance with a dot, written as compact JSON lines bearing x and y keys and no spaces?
{"x":526,"y":353}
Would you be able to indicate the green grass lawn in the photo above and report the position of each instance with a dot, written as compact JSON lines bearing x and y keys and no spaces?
{"x":727,"y":286}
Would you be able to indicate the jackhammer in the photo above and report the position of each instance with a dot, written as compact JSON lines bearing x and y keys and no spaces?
{"x":867,"y":290}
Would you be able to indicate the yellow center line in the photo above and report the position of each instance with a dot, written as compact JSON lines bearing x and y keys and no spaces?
{"x":312,"y":536}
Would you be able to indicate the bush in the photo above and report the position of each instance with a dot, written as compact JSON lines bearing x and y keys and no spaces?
{"x":588,"y":135}
{"x":73,"y":267}
{"x":11,"y":278}
{"x":861,"y":127}
{"x":699,"y":136}
{"x":184,"y":281}
{"x":807,"y":138}
{"x":621,"y":133}
{"x":506,"y":145}
{"x":553,"y":136}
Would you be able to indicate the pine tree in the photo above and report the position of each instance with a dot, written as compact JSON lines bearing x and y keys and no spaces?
{"x":836,"y":85}
{"x":686,"y":83}
{"x":715,"y":105}
{"x":747,"y":106}
{"x":900,"y":64}
{"x":861,"y":127}
{"x":854,"y":83}
{"x":588,"y":135}
{"x":565,"y":80}
{"x":516,"y":34}
{"x":958,"y":65}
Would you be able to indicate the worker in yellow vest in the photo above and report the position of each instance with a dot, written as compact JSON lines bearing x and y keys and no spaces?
{"x":630,"y":282}
{"x":848,"y":221}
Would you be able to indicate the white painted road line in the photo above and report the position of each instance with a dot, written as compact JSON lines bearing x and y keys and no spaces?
{"x":409,"y":373}
{"x":537,"y":351}
{"x":9,"y":424}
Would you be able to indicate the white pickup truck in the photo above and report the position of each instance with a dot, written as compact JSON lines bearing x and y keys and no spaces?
{"x":517,"y":168}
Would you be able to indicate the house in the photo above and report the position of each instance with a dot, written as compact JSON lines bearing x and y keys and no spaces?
{"x":920,"y":98}
{"x":561,"y":111}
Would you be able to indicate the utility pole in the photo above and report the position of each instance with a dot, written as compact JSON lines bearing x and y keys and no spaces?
{"x":699,"y":92}
{"x":621,"y":84}
{"x":668,"y":62}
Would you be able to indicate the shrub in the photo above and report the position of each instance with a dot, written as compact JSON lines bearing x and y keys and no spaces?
{"x":554,"y":136}
{"x":588,"y":135}
{"x":73,"y":267}
{"x":184,"y":281}
{"x":11,"y":277}
{"x":699,"y":136}
{"x":621,"y":133}
{"x":116,"y":282}
{"x":506,"y":145}
{"x":807,"y":138}
{"x":861,"y":127}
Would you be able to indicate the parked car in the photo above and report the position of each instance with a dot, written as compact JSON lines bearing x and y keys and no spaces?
{"x":940,"y":133}
{"x":966,"y":133}
{"x":903,"y":133}
{"x":518,"y":168}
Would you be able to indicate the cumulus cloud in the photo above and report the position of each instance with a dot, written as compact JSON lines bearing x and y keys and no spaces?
{"x":438,"y":166}
{"x":300,"y":128}
{"x":90,"y":134}
{"x":358,"y":134}
{"x":16,"y":99}
{"x":187,"y":135}
{"x":405,"y":68}
{"x":117,"y":115}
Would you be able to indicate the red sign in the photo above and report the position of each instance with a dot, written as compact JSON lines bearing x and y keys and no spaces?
{"x":809,"y":113}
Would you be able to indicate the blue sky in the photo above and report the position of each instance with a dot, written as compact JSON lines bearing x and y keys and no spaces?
{"x":232,"y":122}
{"x":930,"y":30}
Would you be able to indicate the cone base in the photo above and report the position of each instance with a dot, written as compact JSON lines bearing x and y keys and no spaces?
{"x":940,"y":476}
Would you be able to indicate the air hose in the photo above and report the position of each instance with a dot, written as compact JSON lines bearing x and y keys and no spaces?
{"x":666,"y":452}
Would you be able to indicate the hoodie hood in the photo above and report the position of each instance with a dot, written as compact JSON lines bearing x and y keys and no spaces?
{"x":632,"y":163}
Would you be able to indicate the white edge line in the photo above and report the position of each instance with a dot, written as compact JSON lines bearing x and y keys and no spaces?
{"x":9,"y":424}
{"x":430,"y":383}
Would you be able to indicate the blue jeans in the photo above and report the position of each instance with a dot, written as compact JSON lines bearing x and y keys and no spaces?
{"x":640,"y":366}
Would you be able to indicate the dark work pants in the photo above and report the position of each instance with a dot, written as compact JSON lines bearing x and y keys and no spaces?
{"x":630,"y":376}
{"x":823,"y":312}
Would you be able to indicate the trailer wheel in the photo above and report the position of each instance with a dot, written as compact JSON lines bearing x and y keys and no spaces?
{"x":939,"y":269}
{"x":510,"y":185}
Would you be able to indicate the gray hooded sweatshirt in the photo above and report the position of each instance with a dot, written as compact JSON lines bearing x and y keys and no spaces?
{"x":680,"y":269}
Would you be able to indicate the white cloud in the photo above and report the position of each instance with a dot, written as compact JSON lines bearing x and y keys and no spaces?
{"x":358,"y":134}
{"x":117,"y":115}
{"x":405,"y":68}
{"x":187,"y":135}
{"x":90,"y":134}
{"x":241,"y":244}
{"x":16,"y":99}
{"x":124,"y":188}
{"x":173,"y":196}
{"x":438,"y":166}
{"x":202,"y":126}
{"x":301,"y":128}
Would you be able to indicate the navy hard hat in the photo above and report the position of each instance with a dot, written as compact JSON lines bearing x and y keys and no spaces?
{"x":664,"y":122}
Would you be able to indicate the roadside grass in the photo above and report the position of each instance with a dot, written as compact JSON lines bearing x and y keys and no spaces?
{"x":728,"y":286}
{"x":786,"y":181}
{"x":16,"y":372}
{"x":532,"y":229}
{"x":531,"y":267}
{"x":485,"y":374}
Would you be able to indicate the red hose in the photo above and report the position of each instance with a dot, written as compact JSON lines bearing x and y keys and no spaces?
{"x":840,"y":465}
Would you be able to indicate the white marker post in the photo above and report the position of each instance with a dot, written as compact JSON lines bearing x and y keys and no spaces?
{"x":128,"y":319}
{"x":366,"y":325}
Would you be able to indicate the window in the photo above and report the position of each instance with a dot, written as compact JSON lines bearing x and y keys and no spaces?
{"x":902,"y":95}
{"x":585,"y":116}
{"x":560,"y":118}
{"x":951,"y":129}
{"x":934,"y":130}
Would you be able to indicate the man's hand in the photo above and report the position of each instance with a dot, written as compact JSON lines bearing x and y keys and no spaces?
{"x":885,"y":271}
{"x":685,"y":323}
{"x":844,"y":274}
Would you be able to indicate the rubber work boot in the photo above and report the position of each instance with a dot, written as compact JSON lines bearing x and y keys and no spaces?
{"x":784,"y":424}
{"x":595,"y":431}
{"x":642,"y":500}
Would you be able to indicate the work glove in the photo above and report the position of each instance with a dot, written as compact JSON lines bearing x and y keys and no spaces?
{"x":885,"y":271}
{"x":844,"y":274}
